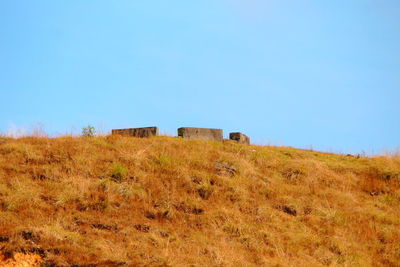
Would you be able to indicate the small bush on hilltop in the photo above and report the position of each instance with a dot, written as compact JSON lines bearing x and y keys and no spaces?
{"x":89,"y":131}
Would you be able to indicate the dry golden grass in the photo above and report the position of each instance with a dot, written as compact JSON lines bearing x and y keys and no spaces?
{"x":20,"y":260}
{"x":119,"y":201}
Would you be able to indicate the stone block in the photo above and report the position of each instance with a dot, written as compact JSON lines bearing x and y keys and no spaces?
{"x":137,"y":132}
{"x":191,"y":133}
{"x":240,"y":138}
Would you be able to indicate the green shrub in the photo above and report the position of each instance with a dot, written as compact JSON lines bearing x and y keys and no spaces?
{"x":88,"y":131}
{"x":118,"y":173}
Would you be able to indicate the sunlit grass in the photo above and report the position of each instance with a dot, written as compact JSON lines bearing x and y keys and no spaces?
{"x":165,"y":201}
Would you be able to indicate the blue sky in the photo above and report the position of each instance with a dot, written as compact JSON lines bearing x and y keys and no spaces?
{"x":321,"y":74}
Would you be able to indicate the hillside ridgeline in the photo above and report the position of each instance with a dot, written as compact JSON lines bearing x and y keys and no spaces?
{"x":162,"y":201}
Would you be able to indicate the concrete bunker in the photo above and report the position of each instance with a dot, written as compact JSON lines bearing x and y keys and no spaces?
{"x":240,"y":138}
{"x":137,"y":132}
{"x":191,"y":133}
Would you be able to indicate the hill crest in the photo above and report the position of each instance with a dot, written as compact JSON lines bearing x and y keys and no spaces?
{"x":162,"y":201}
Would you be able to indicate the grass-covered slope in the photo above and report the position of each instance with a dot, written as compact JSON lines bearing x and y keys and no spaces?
{"x":118,"y":201}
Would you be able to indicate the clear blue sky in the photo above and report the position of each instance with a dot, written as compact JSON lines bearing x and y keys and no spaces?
{"x":316,"y":73}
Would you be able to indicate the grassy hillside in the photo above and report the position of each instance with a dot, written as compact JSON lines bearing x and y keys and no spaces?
{"x":119,"y":201}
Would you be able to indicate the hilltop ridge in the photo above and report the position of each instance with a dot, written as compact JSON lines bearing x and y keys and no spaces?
{"x":162,"y":201}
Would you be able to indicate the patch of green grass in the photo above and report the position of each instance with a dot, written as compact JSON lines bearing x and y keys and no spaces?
{"x":388,"y":199}
{"x":119,"y":173}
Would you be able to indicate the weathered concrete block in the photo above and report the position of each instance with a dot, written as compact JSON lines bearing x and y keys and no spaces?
{"x":240,"y":138}
{"x":137,"y":132}
{"x":200,"y":133}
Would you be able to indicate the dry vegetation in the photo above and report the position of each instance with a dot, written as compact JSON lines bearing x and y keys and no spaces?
{"x":118,"y":201}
